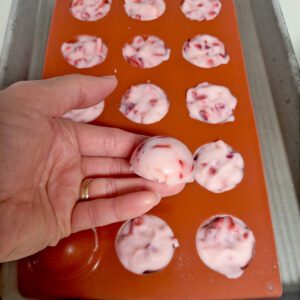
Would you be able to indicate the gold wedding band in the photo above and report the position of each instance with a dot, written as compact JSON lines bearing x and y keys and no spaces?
{"x":84,"y":195}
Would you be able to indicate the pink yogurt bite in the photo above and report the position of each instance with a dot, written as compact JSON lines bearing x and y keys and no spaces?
{"x":84,"y":51}
{"x":144,"y":103}
{"x":85,"y":115}
{"x":145,"y":10}
{"x":205,"y":51}
{"x":226,"y":245}
{"x":201,"y":10}
{"x":218,"y":168}
{"x":164,"y":160}
{"x":145,"y":244}
{"x":89,"y":10}
{"x":208,"y":103}
{"x":146,"y":52}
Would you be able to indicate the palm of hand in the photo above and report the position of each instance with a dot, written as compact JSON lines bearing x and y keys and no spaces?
{"x":44,"y":158}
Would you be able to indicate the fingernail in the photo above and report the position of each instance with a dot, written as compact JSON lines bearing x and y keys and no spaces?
{"x":158,"y":198}
{"x":152,"y":199}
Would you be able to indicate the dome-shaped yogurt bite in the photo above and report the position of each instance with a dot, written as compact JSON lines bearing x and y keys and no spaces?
{"x":84,"y":51}
{"x":89,"y":10}
{"x":144,"y":10}
{"x":164,"y":160}
{"x":226,"y":245}
{"x":145,"y":244}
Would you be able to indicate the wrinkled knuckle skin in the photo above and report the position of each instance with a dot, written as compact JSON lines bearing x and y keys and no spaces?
{"x":111,"y":188}
{"x":92,"y":214}
{"x":117,"y":209}
{"x":110,"y":142}
{"x":60,"y":231}
{"x":55,"y":238}
{"x":116,"y":167}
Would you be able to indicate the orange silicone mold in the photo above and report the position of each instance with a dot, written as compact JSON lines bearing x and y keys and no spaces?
{"x":186,"y":277}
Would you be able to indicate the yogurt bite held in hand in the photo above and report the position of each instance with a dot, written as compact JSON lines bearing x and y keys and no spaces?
{"x":164,"y":160}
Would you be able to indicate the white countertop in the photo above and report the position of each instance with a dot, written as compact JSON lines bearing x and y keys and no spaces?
{"x":4,"y":14}
{"x":290,"y":10}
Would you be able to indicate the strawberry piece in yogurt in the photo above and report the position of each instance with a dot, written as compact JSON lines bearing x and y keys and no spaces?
{"x":84,"y":51}
{"x":205,"y":51}
{"x":218,"y":168}
{"x":146,"y":52}
{"x":89,"y":10}
{"x":145,"y":244}
{"x":144,"y":103}
{"x":144,"y":10}
{"x":201,"y":10}
{"x":210,"y":103}
{"x":163,"y":159}
{"x":226,"y":245}
{"x":85,"y":115}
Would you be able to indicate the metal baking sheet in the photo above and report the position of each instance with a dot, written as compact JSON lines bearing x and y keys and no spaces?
{"x":272,"y":75}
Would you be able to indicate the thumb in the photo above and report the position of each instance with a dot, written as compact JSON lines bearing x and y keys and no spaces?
{"x":59,"y":95}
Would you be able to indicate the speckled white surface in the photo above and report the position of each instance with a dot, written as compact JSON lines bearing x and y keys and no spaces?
{"x":4,"y":13}
{"x":290,"y":10}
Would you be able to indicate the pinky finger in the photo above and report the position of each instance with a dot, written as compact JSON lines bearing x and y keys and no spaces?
{"x":95,"y":213}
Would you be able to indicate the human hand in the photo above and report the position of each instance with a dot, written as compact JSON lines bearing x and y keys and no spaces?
{"x":44,"y":158}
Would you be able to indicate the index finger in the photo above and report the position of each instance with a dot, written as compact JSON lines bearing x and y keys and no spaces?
{"x":106,"y":141}
{"x":59,"y":95}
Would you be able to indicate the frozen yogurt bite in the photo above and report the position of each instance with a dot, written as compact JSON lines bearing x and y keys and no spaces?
{"x":89,"y":10}
{"x":144,"y":10}
{"x":146,"y":52}
{"x":84,"y":51}
{"x":164,"y":160}
{"x":212,"y":104}
{"x":226,"y":245}
{"x":218,"y":168}
{"x":201,"y":10}
{"x":144,"y":103}
{"x":145,"y":244}
{"x":205,"y":51}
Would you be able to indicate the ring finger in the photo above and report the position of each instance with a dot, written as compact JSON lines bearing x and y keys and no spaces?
{"x":112,"y":187}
